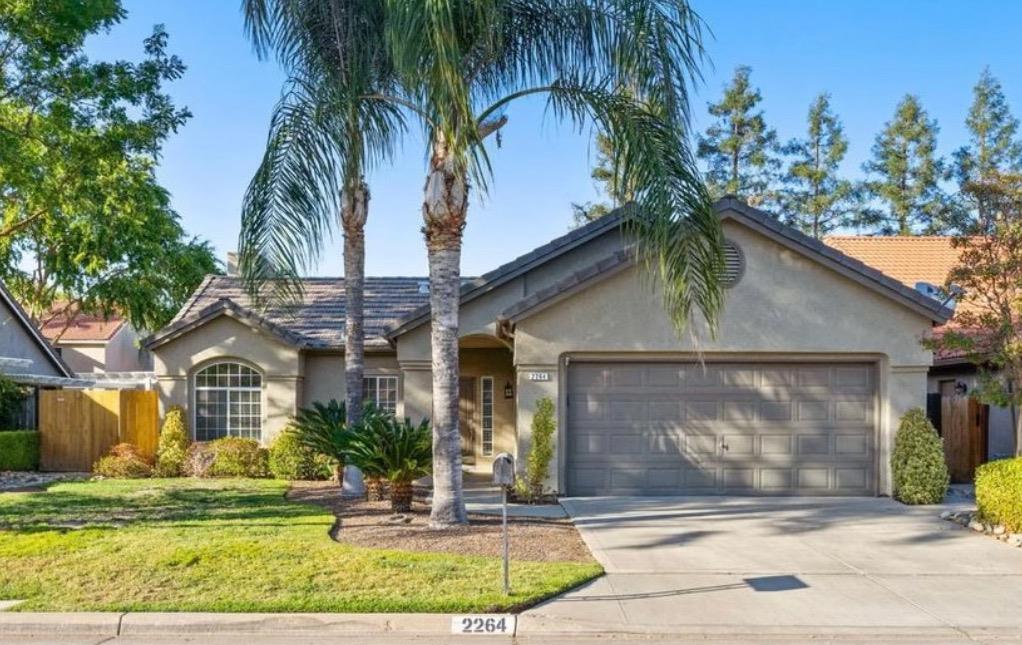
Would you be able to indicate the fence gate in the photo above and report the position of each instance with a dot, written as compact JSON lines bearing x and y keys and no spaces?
{"x":963,"y":423}
{"x":77,"y":427}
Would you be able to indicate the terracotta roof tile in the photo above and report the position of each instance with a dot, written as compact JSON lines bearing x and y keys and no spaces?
{"x":85,"y":327}
{"x":907,"y":259}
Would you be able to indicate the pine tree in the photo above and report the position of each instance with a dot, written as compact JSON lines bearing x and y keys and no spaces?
{"x":905,"y":175}
{"x":815,"y":199}
{"x":992,"y":146}
{"x":607,"y":174}
{"x":740,"y":151}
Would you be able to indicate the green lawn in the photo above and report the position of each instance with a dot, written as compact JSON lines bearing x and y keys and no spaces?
{"x":230,"y":545}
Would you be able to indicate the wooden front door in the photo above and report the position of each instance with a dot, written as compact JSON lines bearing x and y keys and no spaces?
{"x":467,"y":406}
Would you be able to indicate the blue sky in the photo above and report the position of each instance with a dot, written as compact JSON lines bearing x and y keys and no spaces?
{"x":867,"y":54}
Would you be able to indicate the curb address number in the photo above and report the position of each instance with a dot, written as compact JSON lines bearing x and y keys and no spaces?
{"x":484,"y":624}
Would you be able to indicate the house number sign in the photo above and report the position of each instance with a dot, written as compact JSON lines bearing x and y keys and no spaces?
{"x":539,"y":376}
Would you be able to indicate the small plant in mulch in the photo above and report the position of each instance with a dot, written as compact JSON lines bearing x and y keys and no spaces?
{"x":530,"y":489}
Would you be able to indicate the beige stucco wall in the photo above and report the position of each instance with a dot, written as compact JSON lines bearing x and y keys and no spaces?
{"x":324,"y":375}
{"x":786,"y":305}
{"x":225,"y":339}
{"x":84,"y":357}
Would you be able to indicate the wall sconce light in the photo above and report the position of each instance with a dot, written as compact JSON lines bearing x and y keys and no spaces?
{"x":961,"y":389}
{"x":509,"y":391}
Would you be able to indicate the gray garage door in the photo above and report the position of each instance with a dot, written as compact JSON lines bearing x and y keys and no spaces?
{"x":721,"y":428}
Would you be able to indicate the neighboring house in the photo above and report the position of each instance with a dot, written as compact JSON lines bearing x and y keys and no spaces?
{"x":800,"y":392}
{"x":929,"y":260}
{"x":25,"y":356}
{"x":91,"y":343}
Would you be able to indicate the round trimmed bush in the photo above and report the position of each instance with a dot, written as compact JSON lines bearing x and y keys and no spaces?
{"x":290,"y":459}
{"x":999,"y":493}
{"x":173,"y":446}
{"x":237,"y":457}
{"x":124,"y":461}
{"x":920,"y":472}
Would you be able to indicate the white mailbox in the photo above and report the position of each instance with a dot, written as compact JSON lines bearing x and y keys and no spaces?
{"x":504,"y":470}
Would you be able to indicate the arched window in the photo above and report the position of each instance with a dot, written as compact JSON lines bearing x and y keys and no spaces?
{"x":228,"y":402}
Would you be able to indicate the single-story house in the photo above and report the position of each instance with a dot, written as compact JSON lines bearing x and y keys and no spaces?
{"x":92,"y":343}
{"x":924,"y":262}
{"x":817,"y":357}
{"x":26,"y":357}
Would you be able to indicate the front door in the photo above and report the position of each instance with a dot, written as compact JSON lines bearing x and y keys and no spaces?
{"x":467,"y":406}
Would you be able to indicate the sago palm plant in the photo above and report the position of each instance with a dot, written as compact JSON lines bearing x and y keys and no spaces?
{"x":323,"y":429}
{"x":397,"y":451}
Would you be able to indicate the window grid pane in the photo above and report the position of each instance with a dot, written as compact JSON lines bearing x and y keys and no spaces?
{"x":228,"y":402}
{"x":487,"y":414}
{"x":381,"y":391}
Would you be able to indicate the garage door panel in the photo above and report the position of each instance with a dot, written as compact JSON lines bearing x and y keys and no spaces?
{"x":677,"y":428}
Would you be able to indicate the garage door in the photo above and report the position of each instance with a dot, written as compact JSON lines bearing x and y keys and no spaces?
{"x":724,"y":428}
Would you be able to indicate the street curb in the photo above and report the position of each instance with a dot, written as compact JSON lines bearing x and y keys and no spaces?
{"x":61,"y":624}
{"x":154,"y":623}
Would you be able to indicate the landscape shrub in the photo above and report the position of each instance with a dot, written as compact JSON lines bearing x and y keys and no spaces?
{"x":920,"y":472}
{"x":124,"y":461}
{"x":323,"y":429}
{"x":292,"y":460}
{"x":382,"y":446}
{"x":199,"y":459}
{"x":537,"y":463}
{"x":237,"y":457}
{"x":173,"y":446}
{"x":19,"y":450}
{"x":999,"y":493}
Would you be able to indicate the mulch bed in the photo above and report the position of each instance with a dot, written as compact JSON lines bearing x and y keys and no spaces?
{"x":372,"y":524}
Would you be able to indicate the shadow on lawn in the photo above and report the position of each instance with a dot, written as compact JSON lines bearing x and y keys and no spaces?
{"x":78,"y":506}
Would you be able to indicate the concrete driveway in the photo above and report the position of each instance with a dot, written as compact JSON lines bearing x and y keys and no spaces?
{"x":788,"y":566}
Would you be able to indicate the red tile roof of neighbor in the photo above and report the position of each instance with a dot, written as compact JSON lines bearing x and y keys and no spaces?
{"x":84,"y":327}
{"x":908,"y":259}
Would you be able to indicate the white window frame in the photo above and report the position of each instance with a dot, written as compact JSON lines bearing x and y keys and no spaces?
{"x":486,"y":415}
{"x":375,"y":397}
{"x":229,"y":389}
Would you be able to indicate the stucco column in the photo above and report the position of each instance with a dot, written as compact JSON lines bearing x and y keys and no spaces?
{"x":417,"y":386}
{"x":905,"y":389}
{"x":536,"y":381}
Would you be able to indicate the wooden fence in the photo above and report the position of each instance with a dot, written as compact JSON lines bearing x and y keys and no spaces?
{"x":963,"y":422}
{"x":77,"y":427}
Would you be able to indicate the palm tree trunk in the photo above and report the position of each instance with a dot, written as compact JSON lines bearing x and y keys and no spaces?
{"x":354,"y":212}
{"x":444,"y":208}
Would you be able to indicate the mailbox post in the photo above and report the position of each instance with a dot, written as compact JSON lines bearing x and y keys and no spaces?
{"x":504,"y":476}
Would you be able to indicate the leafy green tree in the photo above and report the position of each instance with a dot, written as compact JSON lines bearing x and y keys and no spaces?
{"x":329,"y":126}
{"x":815,"y":198}
{"x":739,"y":150}
{"x":989,"y":273}
{"x":993,"y":147}
{"x":79,"y":142}
{"x":905,"y":175}
{"x":462,"y":65}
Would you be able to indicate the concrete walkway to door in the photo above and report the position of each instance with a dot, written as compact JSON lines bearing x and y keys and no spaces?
{"x":703,"y":565}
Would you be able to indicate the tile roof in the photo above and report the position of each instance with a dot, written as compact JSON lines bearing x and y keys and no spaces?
{"x":319,"y":319}
{"x":904,"y":258}
{"x":910,"y":259}
{"x":84,"y":327}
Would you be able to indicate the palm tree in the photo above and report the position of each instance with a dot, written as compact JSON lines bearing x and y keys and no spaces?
{"x":324,"y":132}
{"x":623,"y":66}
